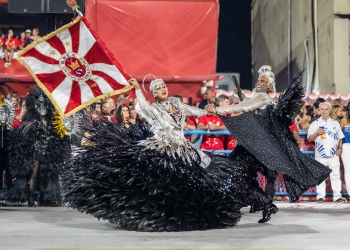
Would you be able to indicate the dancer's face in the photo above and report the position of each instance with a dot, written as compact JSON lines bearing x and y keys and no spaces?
{"x":161,"y":92}
{"x":40,"y":106}
{"x":262,"y":85}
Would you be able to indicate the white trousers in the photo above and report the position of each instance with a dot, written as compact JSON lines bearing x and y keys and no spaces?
{"x":345,"y":156}
{"x":334,"y":164}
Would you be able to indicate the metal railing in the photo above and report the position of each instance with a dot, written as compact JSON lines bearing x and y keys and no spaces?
{"x":226,"y":152}
{"x":302,"y":134}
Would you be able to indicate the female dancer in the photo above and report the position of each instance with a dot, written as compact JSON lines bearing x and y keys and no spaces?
{"x":345,"y":155}
{"x":162,"y":183}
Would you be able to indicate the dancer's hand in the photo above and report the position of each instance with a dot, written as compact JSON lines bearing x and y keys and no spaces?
{"x":135,"y":83}
{"x":237,"y":114}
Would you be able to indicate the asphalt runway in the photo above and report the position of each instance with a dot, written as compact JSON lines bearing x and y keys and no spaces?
{"x":41,"y":228}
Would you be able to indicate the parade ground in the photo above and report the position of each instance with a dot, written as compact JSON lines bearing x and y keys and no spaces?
{"x":296,"y":226}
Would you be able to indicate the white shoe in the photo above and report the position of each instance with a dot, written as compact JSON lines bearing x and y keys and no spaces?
{"x":6,"y":64}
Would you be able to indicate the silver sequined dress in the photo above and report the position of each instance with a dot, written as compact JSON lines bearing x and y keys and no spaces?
{"x":168,"y":129}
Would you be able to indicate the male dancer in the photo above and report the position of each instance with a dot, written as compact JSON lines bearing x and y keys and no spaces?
{"x":265,"y":141}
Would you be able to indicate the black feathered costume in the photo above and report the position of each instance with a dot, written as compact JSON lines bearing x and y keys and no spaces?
{"x":267,"y":143}
{"x":36,"y":152}
{"x":162,"y":183}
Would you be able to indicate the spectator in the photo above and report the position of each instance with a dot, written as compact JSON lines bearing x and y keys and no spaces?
{"x":229,"y":141}
{"x":123,"y":116}
{"x":133,"y":113}
{"x":294,"y":129}
{"x":345,"y":155}
{"x":98,"y":108}
{"x":190,"y":125}
{"x":106,"y":112}
{"x":337,"y":102}
{"x":18,"y":119}
{"x":22,"y":41}
{"x":328,"y":136}
{"x":28,"y":33}
{"x":320,"y":99}
{"x":223,"y":100}
{"x":303,"y":119}
{"x":10,"y":43}
{"x":209,"y":96}
{"x":316,"y":111}
{"x":211,"y":122}
{"x":120,"y":100}
{"x":34,"y":37}
{"x":111,"y":103}
{"x":336,"y":112}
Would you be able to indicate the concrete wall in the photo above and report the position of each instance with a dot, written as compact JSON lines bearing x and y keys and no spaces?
{"x":270,"y":42}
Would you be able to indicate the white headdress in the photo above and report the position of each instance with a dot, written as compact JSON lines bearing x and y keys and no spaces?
{"x":266,"y":71}
{"x":154,"y":82}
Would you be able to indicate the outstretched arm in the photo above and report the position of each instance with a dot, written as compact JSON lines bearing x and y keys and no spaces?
{"x":189,"y":110}
{"x":257,"y":101}
{"x":143,"y":105}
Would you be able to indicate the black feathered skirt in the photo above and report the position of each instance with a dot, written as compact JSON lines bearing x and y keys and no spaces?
{"x":141,"y":189}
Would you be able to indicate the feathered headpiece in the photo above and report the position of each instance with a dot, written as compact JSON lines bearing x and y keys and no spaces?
{"x":266,"y":71}
{"x":34,"y":100}
{"x":154,"y":82}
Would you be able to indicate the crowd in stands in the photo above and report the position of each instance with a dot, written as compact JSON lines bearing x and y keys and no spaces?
{"x":10,"y":43}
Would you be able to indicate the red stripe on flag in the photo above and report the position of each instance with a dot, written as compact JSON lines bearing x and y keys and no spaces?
{"x":36,"y":54}
{"x":75,"y":97}
{"x":97,"y":55}
{"x":52,"y":80}
{"x":94,"y":87}
{"x":110,"y":80}
{"x":75,"y":34}
{"x":104,"y":48}
{"x":57,"y":44}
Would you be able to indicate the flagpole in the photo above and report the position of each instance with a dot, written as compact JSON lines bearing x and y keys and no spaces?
{"x":80,"y":14}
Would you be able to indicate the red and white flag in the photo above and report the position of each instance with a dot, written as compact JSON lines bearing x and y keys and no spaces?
{"x":74,"y":67}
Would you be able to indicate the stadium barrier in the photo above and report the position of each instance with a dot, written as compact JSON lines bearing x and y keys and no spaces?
{"x":281,"y":193}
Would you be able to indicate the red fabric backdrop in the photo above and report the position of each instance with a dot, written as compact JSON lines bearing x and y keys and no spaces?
{"x":168,"y":38}
{"x":163,"y":37}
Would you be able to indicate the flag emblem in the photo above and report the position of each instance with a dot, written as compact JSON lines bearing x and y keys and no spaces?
{"x":74,"y":67}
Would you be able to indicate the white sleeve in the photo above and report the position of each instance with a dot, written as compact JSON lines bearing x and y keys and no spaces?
{"x":312,"y":129}
{"x":146,"y":109}
{"x":257,"y":101}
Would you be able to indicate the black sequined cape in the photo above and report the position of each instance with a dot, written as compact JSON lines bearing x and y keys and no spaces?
{"x":266,"y":142}
{"x":143,"y":189}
